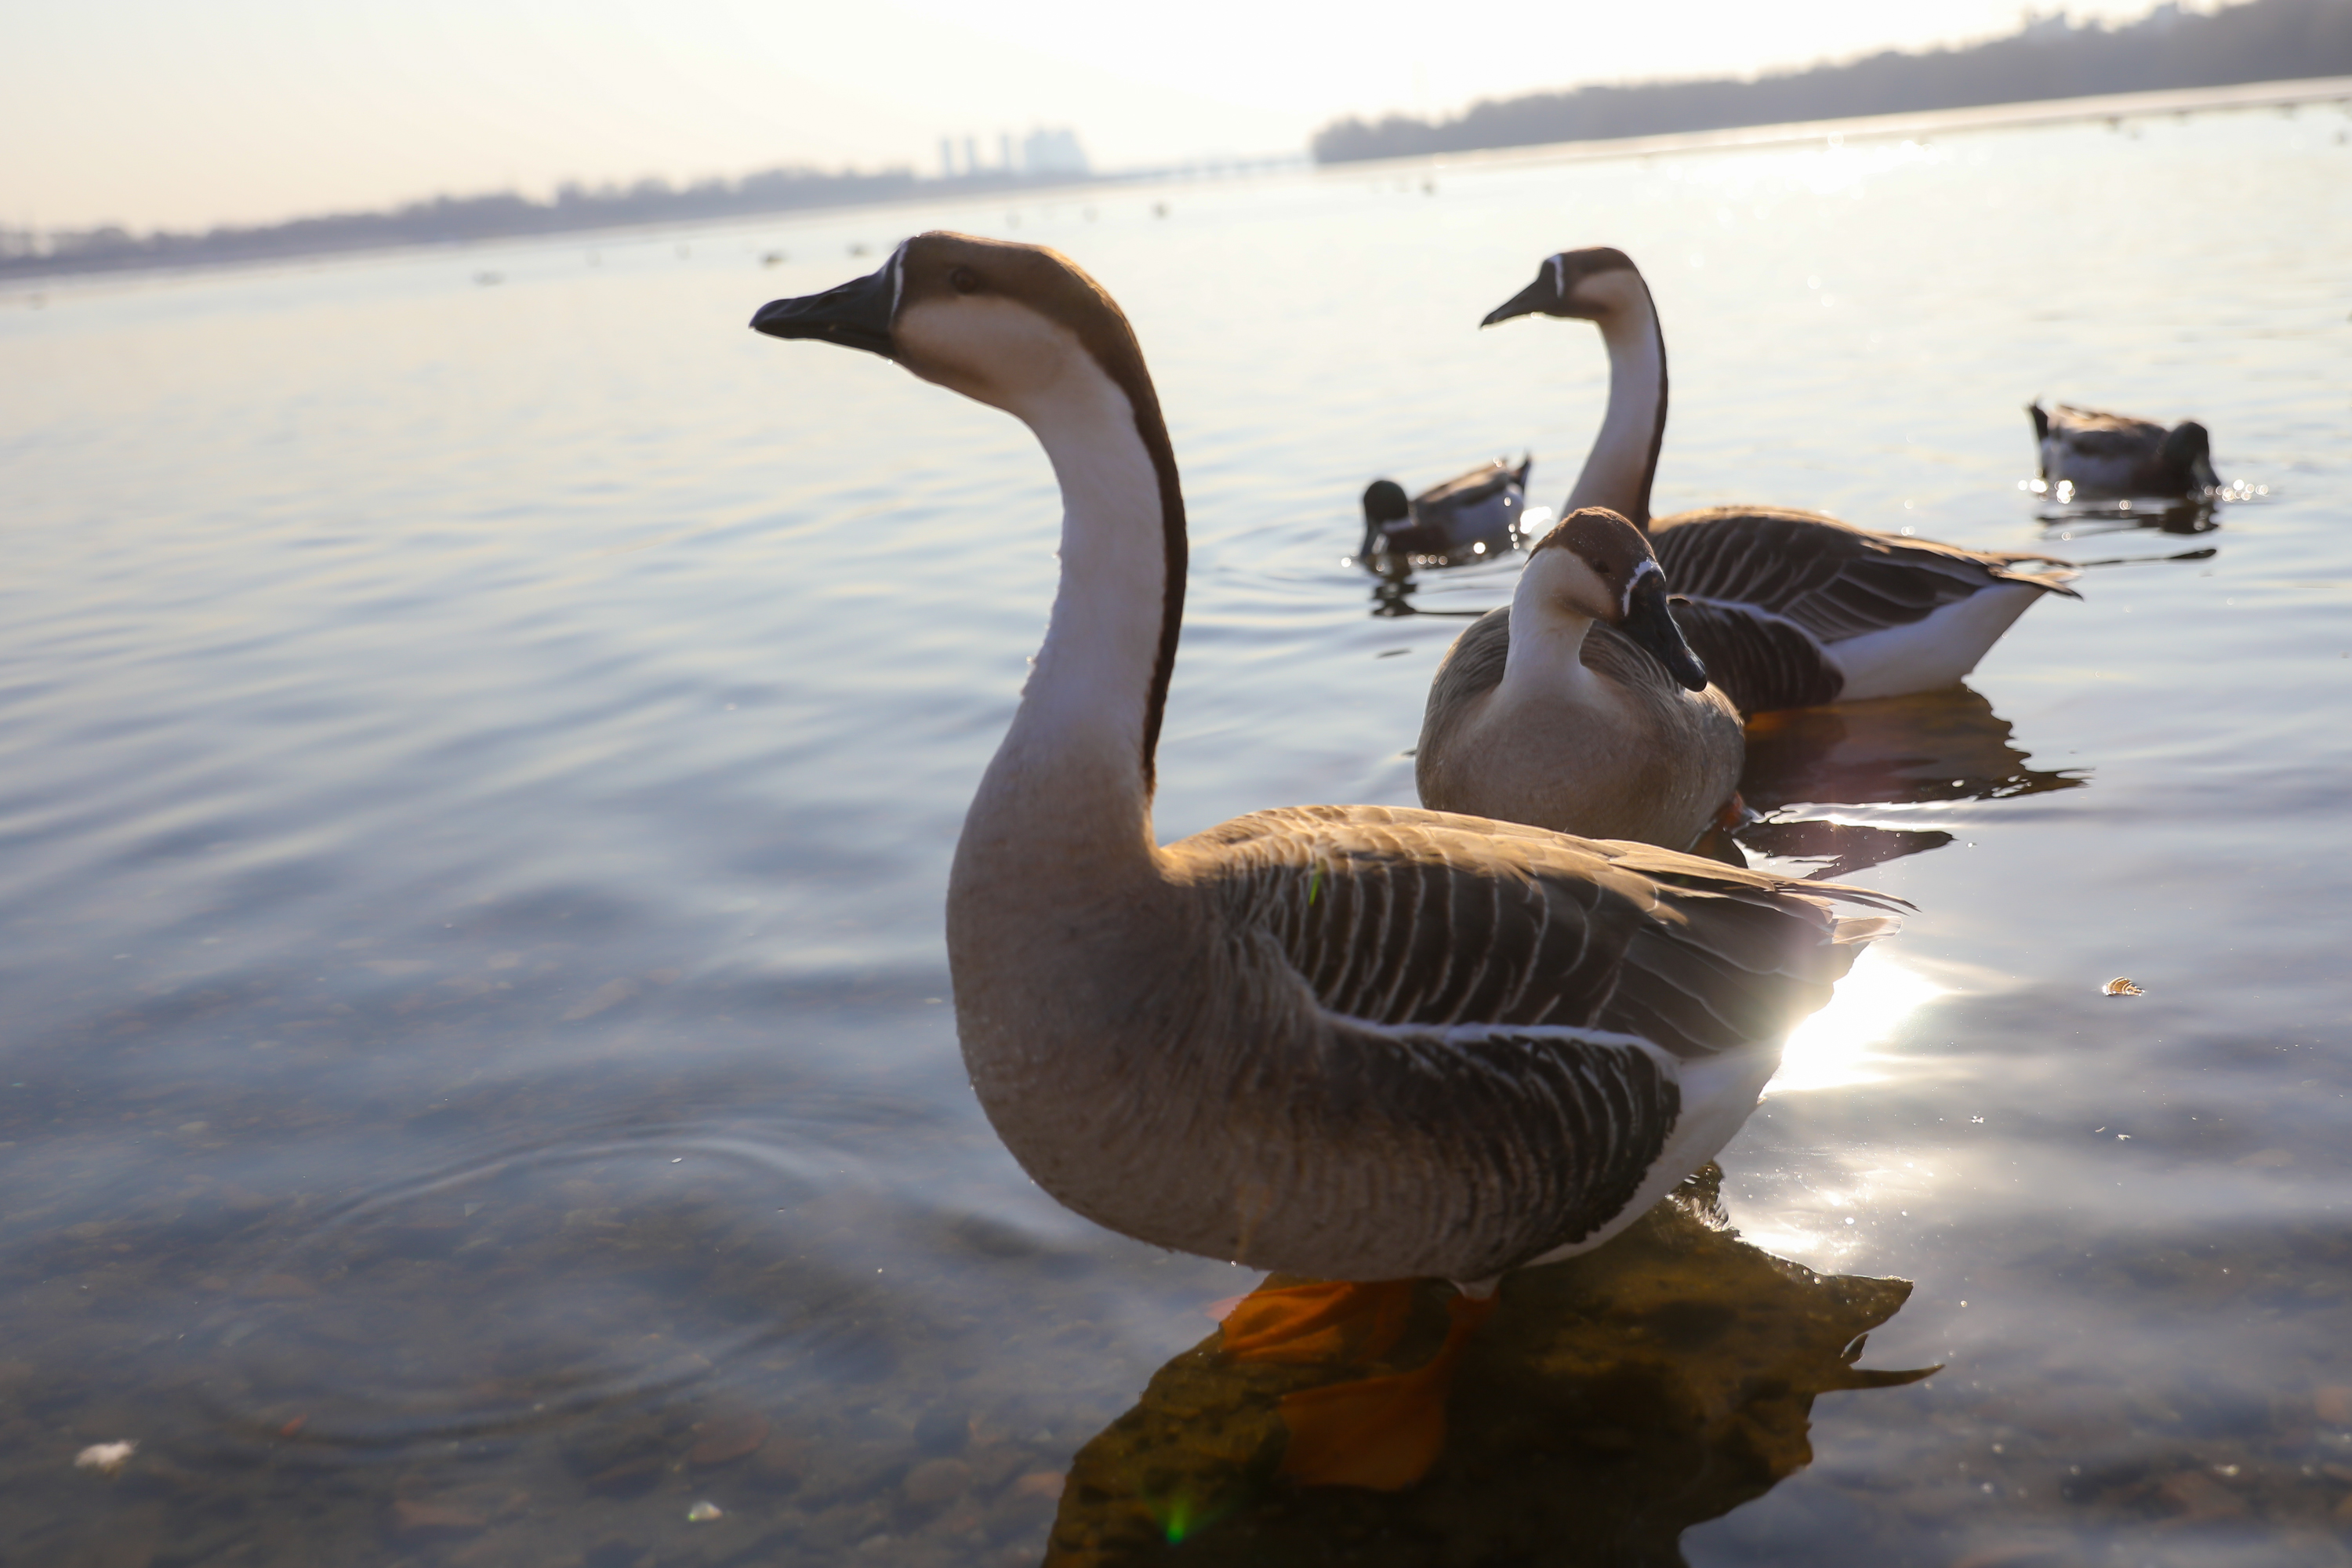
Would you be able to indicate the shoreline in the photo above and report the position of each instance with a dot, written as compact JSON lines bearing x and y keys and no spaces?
{"x":27,"y":274}
{"x":1980,"y":117}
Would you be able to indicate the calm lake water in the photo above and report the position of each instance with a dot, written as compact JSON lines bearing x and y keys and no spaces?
{"x":482,"y":735}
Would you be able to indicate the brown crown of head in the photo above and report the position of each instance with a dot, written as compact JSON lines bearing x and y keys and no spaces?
{"x":941,"y":265}
{"x":1613,"y":548}
{"x":940,"y":270}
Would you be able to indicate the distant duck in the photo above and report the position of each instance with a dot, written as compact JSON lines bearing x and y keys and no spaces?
{"x":1359,"y":1043}
{"x":1581,"y":709}
{"x":1786,"y":608}
{"x":2106,"y":457}
{"x":1474,"y":516}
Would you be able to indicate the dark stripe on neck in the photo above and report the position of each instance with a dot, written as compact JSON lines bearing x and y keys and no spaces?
{"x":1641,"y":517}
{"x":1121,"y":359}
{"x":1154,"y":431}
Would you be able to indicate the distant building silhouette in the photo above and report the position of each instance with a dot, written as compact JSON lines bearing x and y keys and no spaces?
{"x":1047,"y":152}
{"x":1054,"y":152}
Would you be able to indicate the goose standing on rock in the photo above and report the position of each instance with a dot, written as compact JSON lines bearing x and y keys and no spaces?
{"x":1354,"y":1042}
{"x":1581,"y":709}
{"x":1474,"y":516}
{"x":2087,"y":456}
{"x":1787,"y":608}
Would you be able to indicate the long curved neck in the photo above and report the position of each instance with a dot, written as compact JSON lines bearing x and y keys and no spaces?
{"x":1624,"y":457}
{"x":1069,"y":791}
{"x":1545,"y":663}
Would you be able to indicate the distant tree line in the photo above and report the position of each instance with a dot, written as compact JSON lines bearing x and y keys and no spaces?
{"x":2266,"y":40}
{"x":444,"y":219}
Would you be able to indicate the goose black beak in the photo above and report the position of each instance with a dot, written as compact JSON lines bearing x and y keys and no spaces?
{"x":1650,"y":623}
{"x":856,"y":315}
{"x":1536,"y":298}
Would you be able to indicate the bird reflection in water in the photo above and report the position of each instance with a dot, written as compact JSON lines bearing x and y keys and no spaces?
{"x":1612,"y":1401}
{"x":2082,"y":518}
{"x":1928,"y":749}
{"x":1393,"y":591}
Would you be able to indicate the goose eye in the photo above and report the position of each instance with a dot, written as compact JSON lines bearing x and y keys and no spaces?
{"x":964,"y":280}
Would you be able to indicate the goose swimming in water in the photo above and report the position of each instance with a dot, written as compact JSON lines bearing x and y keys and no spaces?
{"x":1786,"y":608}
{"x":1581,"y":709}
{"x":1474,"y":516}
{"x":2103,"y":456}
{"x":1359,"y":1043}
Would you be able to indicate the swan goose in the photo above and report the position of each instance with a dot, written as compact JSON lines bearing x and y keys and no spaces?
{"x":1473,"y":516}
{"x":1581,"y":709}
{"x":1357,"y":1042}
{"x":1787,"y":608}
{"x":2090,"y":456}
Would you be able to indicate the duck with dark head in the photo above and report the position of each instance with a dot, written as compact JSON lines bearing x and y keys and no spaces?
{"x":1478,"y":516}
{"x":2089,"y":456}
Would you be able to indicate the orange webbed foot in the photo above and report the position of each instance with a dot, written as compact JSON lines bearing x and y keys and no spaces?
{"x":1383,"y":1433}
{"x":1322,"y":1321}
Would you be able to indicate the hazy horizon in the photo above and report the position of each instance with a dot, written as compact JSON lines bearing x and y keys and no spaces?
{"x":133,"y":113}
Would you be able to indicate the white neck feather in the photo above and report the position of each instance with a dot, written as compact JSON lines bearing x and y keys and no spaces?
{"x":1545,"y":662}
{"x":1617,"y":473}
{"x":1071,"y":767}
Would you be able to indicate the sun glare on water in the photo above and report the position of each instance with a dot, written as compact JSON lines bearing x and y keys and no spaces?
{"x":1835,"y":1049}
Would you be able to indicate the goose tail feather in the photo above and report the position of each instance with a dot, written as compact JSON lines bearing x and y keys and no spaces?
{"x":1854,"y":931}
{"x":2055,"y":581}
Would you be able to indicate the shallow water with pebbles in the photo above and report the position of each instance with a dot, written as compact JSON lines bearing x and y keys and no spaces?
{"x":478,"y":762}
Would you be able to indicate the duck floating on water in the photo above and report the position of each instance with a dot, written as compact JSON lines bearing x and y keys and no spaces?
{"x":1475,"y":516}
{"x":1583,"y":708}
{"x":2089,"y":456}
{"x":1358,"y":1043}
{"x":1786,"y":608}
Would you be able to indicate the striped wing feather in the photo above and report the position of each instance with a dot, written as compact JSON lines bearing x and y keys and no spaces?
{"x":1401,"y":918}
{"x":1542,"y":1141}
{"x":1467,"y":489}
{"x":1479,"y":982}
{"x":2110,"y":436}
{"x":1831,"y":579}
{"x":1759,"y":662}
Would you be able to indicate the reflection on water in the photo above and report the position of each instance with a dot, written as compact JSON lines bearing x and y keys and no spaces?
{"x":1392,"y":595}
{"x":1612,"y":1402}
{"x":1814,"y":773}
{"x":1930,"y":748}
{"x":1831,"y":1049}
{"x":475,"y":795}
{"x":2087,"y":519}
{"x":2164,"y":514}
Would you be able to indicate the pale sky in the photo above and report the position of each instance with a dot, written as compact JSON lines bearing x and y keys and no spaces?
{"x":164,"y":113}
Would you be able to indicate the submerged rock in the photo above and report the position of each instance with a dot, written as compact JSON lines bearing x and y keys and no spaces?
{"x":1612,"y":1401}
